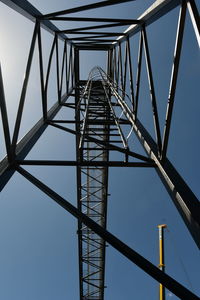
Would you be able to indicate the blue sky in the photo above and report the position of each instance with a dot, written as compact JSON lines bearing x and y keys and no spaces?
{"x":38,"y":252}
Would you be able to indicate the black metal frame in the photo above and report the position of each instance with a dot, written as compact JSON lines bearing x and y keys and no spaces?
{"x":113,"y":85}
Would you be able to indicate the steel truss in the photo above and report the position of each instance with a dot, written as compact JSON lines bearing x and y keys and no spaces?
{"x":98,"y":128}
{"x":92,"y":197}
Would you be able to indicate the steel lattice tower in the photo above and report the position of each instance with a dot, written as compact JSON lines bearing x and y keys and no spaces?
{"x":103,"y":107}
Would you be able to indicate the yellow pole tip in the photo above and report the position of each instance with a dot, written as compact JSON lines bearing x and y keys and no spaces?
{"x":162,"y":226}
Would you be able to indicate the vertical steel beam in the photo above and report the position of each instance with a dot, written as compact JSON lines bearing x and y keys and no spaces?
{"x":117,"y":66}
{"x":43,"y":94}
{"x":78,"y":169}
{"x":72,"y":69}
{"x":174,"y":75}
{"x":111,"y":70}
{"x":49,"y":65}
{"x":130,"y":73}
{"x":66,"y":69}
{"x":108,"y":63}
{"x":139,"y":64}
{"x":125,"y":68}
{"x":4,"y":117}
{"x":24,"y":88}
{"x":62,"y":69}
{"x":120,"y":65}
{"x":195,"y":18}
{"x":69,"y":68}
{"x":58,"y":70}
{"x":114,"y":65}
{"x":152,"y":91}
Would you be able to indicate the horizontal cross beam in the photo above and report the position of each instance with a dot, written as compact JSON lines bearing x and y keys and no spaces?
{"x":83,"y":163}
{"x":84,"y":7}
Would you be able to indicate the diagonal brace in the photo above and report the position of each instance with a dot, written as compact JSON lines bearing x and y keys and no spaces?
{"x":175,"y":287}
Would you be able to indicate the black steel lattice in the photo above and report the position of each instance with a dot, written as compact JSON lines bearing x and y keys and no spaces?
{"x":99,"y":128}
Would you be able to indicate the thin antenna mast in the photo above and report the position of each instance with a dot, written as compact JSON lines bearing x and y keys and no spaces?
{"x":161,"y":258}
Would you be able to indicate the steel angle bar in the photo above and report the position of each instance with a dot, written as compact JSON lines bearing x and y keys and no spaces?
{"x":92,"y":194}
{"x":102,"y":20}
{"x":92,"y":295}
{"x":4,"y":117}
{"x":152,"y":91}
{"x":62,"y":68}
{"x":91,"y":178}
{"x":92,"y":209}
{"x":94,"y":256}
{"x":109,"y":145}
{"x":114,"y":62}
{"x":110,"y":69}
{"x":84,"y":7}
{"x":72,"y":68}
{"x":71,"y":31}
{"x":91,"y":39}
{"x":125,"y":71}
{"x":91,"y":264}
{"x":78,"y":173}
{"x":175,"y":287}
{"x":66,"y":70}
{"x":88,"y":194}
{"x":139,"y":64}
{"x":98,"y":33}
{"x":92,"y":158}
{"x":82,"y":38}
{"x":91,"y":274}
{"x":195,"y":18}
{"x":92,"y":284}
{"x":120,"y":65}
{"x":117,"y":65}
{"x":99,"y":189}
{"x":95,"y":188}
{"x":85,"y":150}
{"x":43,"y":94}
{"x":83,"y":128}
{"x":57,"y":70}
{"x":96,"y":241}
{"x":69,"y":67}
{"x":49,"y":65}
{"x":65,"y":121}
{"x":174,"y":76}
{"x":94,"y":47}
{"x":24,"y":89}
{"x":130,"y":73}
